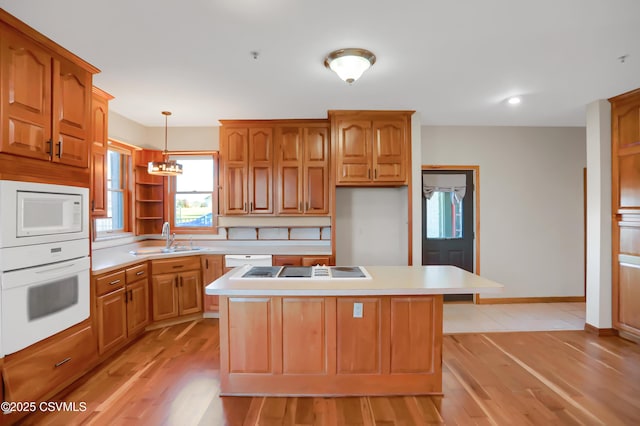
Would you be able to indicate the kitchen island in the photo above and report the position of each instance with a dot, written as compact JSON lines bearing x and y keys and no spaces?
{"x":377,"y":335}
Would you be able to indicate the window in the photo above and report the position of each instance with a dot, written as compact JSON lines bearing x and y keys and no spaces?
{"x":118,"y":164}
{"x":194,"y":194}
{"x":444,"y":216}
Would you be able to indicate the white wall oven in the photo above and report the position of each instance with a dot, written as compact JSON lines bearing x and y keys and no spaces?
{"x":44,"y":261}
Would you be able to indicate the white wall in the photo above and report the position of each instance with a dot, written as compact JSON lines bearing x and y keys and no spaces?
{"x":372,"y":226}
{"x":531,"y":202}
{"x":599,"y":281}
{"x":178,"y":138}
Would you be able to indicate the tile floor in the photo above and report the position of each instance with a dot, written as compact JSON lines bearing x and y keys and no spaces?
{"x":467,"y":317}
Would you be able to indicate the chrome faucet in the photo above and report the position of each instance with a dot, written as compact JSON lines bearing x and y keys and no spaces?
{"x":166,"y":232}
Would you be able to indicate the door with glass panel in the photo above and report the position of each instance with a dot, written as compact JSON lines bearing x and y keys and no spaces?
{"x":448,"y":219}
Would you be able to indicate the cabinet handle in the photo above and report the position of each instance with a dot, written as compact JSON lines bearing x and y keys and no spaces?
{"x":175,"y":280}
{"x":375,"y":173}
{"x":49,"y":148}
{"x":93,"y":205}
{"x":126,"y":297}
{"x":139,"y":273}
{"x":251,"y":205}
{"x":306,"y":206}
{"x":130,"y":295}
{"x":181,"y":282}
{"x":301,"y":206}
{"x":177,"y":266}
{"x":114,"y":282}
{"x":59,"y":145}
{"x":368,"y":173}
{"x":245,"y":206}
{"x":64,"y":361}
{"x":206,"y":263}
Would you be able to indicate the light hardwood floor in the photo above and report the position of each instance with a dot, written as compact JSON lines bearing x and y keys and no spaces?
{"x":170,"y":377}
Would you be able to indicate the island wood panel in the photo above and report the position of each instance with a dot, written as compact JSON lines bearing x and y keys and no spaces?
{"x":304,"y":335}
{"x":259,"y":348}
{"x":359,"y":339}
{"x":629,"y":282}
{"x":414,"y":321}
{"x":249,"y":337}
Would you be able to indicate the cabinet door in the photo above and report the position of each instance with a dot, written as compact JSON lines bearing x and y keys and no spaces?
{"x":353,"y":153}
{"x":261,"y":171}
{"x":190,"y":292}
{"x":112,"y":320}
{"x":316,"y":170}
{"x":26,"y":97}
{"x":211,"y":271}
{"x":99,"y":117}
{"x":71,"y":112}
{"x":287,"y":261}
{"x":137,"y":306}
{"x":235,"y":160}
{"x":289,"y":160}
{"x":164,"y":296}
{"x":389,"y":151}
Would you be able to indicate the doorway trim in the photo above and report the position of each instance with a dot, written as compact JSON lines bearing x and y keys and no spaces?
{"x":476,"y":203}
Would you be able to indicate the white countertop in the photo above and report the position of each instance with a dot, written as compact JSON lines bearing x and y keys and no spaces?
{"x":106,"y":259}
{"x":385,"y":280}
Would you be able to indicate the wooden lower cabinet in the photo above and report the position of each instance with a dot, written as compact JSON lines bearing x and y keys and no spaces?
{"x":289,"y":260}
{"x":45,"y":368}
{"x":122,"y":305}
{"x":289,"y":345}
{"x":212,"y":268}
{"x":176,"y":287}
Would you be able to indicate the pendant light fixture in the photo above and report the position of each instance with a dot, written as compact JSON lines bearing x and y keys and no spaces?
{"x":349,"y":64}
{"x":166,"y":167}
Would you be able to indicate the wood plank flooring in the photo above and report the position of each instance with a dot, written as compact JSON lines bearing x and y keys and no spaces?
{"x":170,"y":377}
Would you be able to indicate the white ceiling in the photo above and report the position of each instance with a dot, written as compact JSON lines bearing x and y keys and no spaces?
{"x":455,"y":62}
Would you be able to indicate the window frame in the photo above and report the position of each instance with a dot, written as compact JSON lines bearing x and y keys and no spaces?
{"x":171,"y":195}
{"x":127,"y":193}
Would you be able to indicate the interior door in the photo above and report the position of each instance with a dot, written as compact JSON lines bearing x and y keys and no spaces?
{"x":447,"y":224}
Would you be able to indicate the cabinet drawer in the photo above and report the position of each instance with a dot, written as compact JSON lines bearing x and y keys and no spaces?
{"x":109,"y":282}
{"x":313,"y":261}
{"x":39,"y":373}
{"x":137,"y":272}
{"x":178,"y":264}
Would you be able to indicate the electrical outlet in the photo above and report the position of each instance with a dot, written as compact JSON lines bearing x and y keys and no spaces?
{"x":357,"y":310}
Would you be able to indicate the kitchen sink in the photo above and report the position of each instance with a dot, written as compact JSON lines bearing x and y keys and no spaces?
{"x":163,"y":250}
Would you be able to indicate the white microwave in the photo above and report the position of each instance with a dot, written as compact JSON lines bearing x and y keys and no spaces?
{"x":37,"y":213}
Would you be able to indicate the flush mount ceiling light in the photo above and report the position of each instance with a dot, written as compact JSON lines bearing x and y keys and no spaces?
{"x":514,"y":100}
{"x":166,"y":167}
{"x":349,"y":64}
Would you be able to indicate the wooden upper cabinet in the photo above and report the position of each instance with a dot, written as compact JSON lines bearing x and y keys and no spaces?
{"x":246,"y":157}
{"x":302,"y":169}
{"x":99,"y":147}
{"x":26,"y":96}
{"x":371,"y":148}
{"x":72,"y":114}
{"x":46,"y":102}
{"x":261,"y":171}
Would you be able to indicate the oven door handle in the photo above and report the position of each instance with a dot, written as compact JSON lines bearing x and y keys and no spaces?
{"x":57,"y":268}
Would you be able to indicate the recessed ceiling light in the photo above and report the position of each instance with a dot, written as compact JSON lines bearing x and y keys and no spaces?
{"x":514,"y":100}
